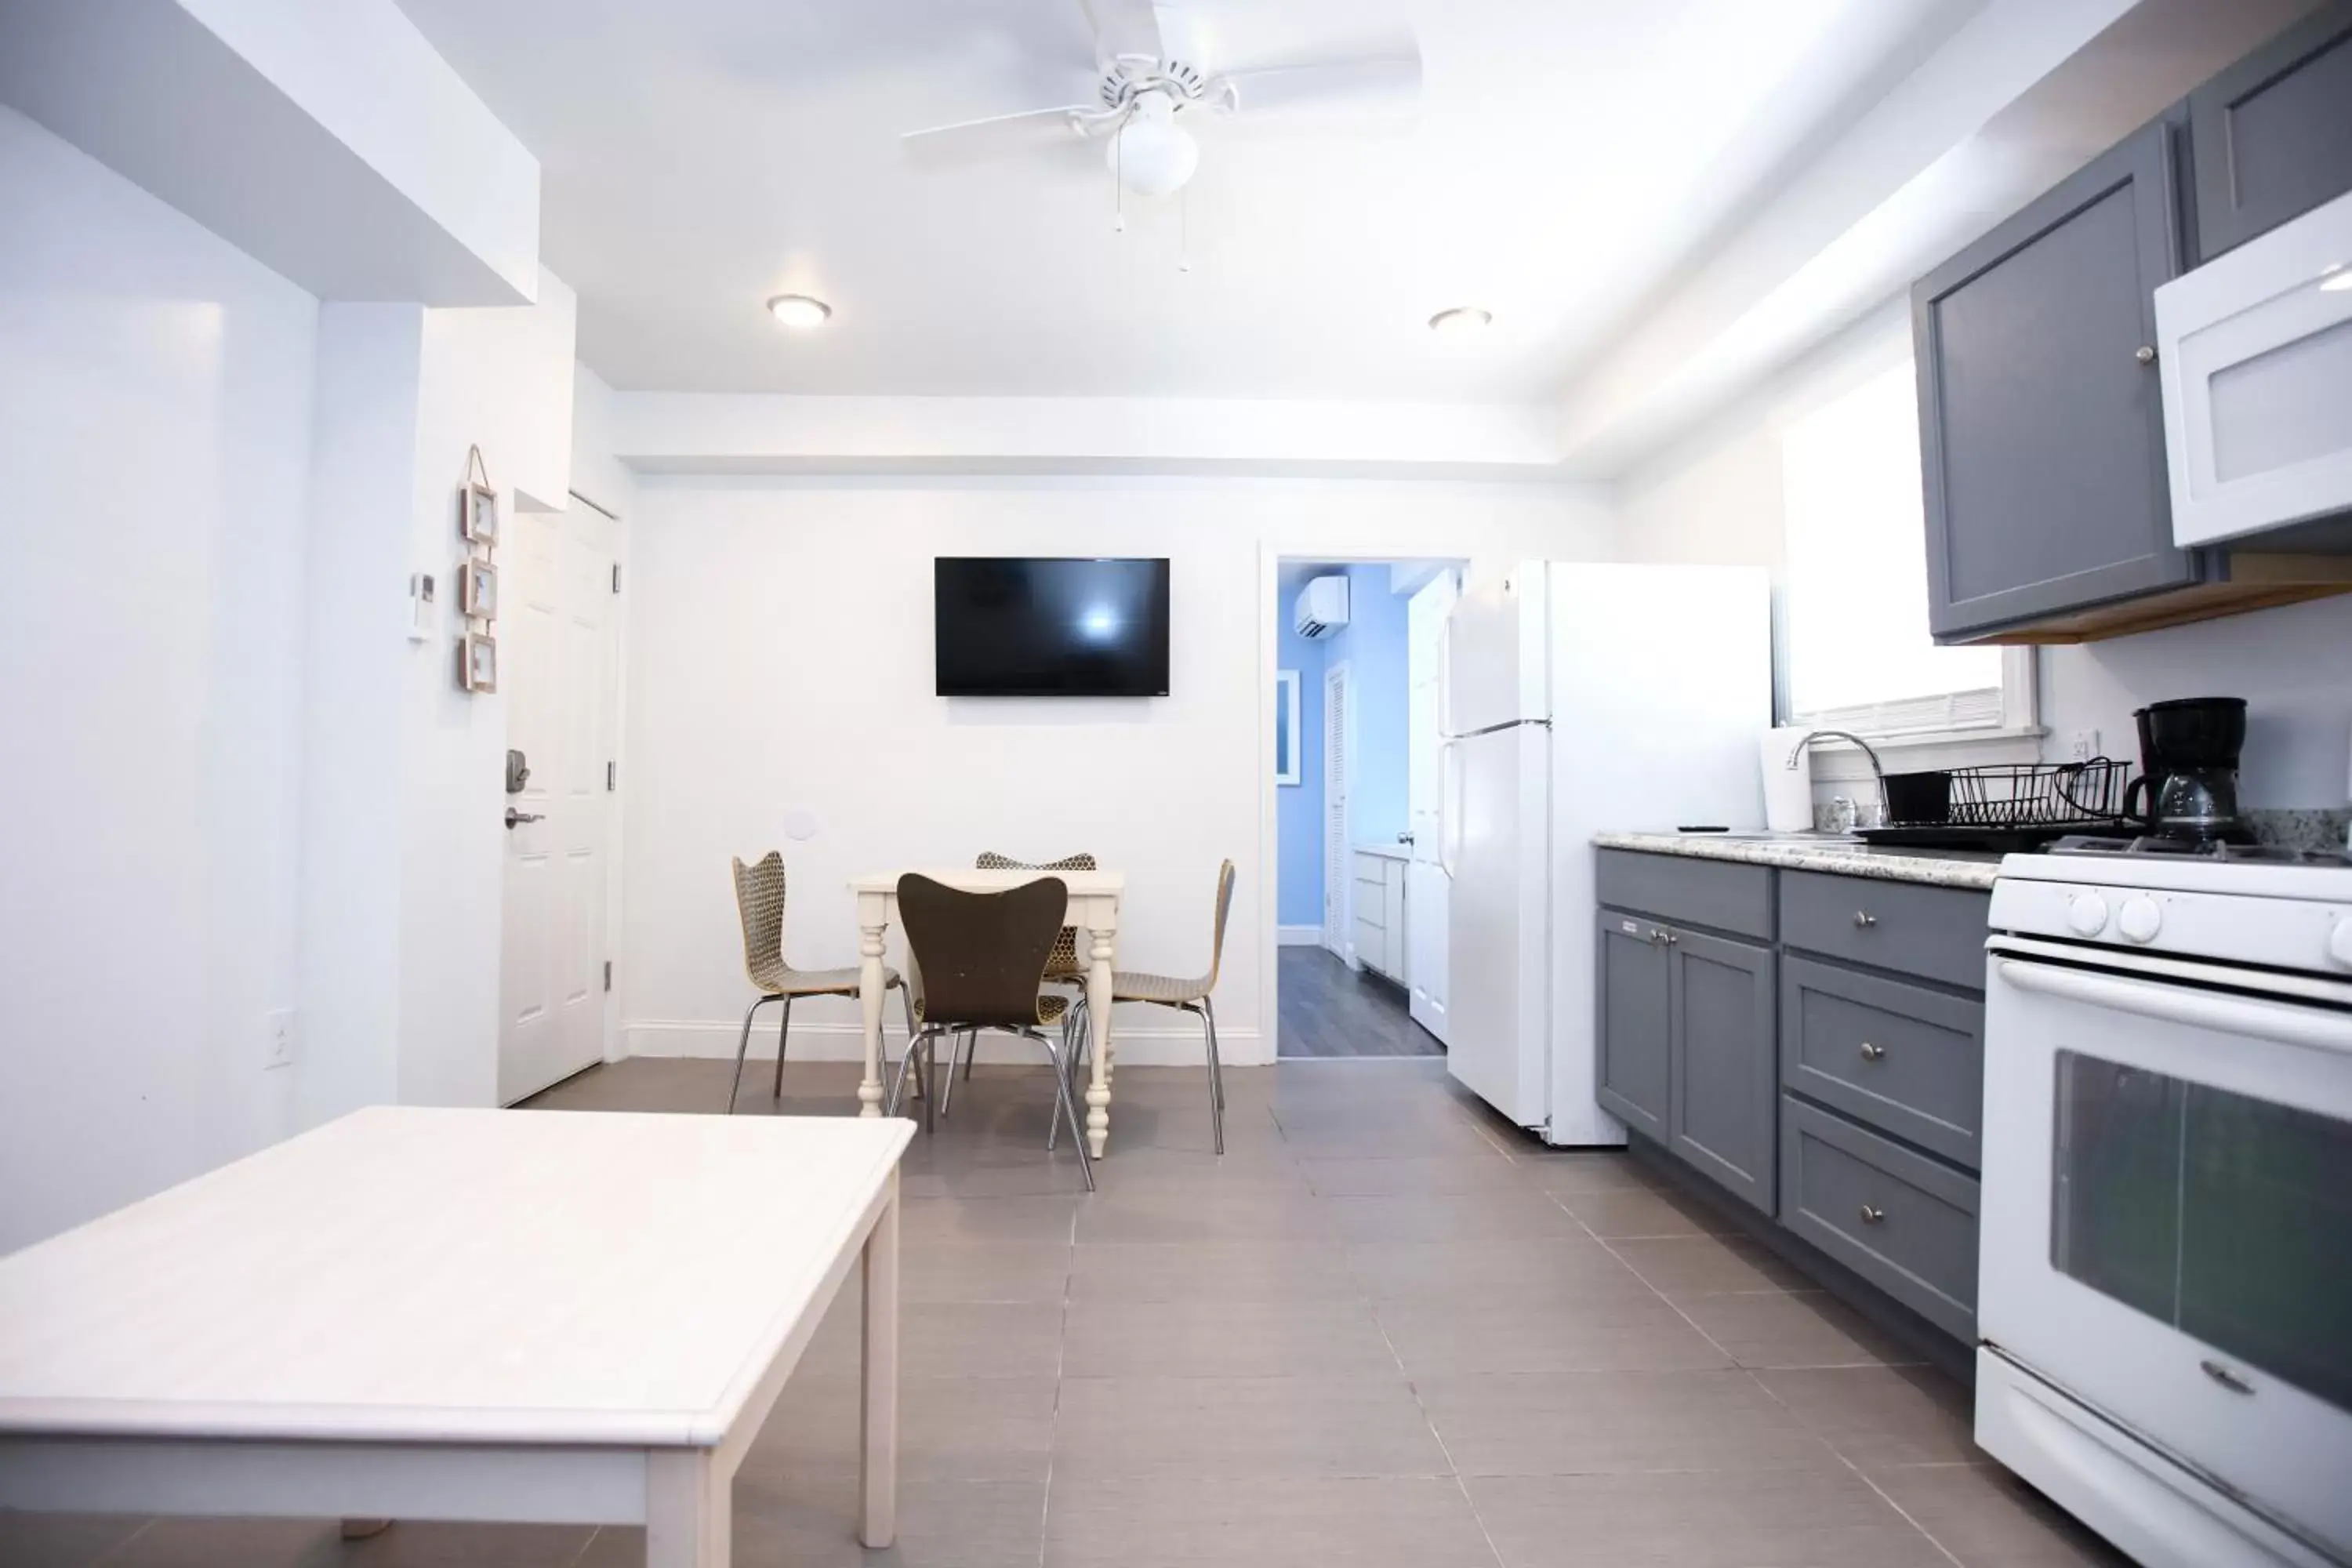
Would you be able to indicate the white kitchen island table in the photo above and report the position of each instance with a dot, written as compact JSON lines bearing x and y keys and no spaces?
{"x":1094,"y":909}
{"x":476,"y":1315}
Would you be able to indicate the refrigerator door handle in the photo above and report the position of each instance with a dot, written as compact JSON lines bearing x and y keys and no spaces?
{"x":1445,"y":759}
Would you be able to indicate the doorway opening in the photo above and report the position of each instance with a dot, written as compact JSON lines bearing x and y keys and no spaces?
{"x":1361,"y":894}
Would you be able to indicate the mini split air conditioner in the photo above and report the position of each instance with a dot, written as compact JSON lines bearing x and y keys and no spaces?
{"x":1322,"y":606}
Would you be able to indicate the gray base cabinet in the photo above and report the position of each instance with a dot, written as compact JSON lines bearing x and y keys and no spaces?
{"x":1814,"y":1045}
{"x":1636,"y":1023}
{"x":1724,"y":1110}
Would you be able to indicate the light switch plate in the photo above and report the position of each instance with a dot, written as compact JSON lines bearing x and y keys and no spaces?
{"x":2083,"y":746}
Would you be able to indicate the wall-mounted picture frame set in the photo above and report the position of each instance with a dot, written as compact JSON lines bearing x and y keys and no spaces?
{"x":479,"y":523}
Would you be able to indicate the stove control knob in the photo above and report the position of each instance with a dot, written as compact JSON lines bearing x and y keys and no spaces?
{"x":2339,"y":943}
{"x":2140,"y":919}
{"x":2087,"y":914}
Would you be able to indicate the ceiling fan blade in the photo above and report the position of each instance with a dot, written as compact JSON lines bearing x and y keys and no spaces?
{"x":997,"y":136}
{"x":1122,"y":27}
{"x":1388,"y":75}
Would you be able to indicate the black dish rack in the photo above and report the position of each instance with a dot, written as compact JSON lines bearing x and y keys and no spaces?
{"x":2017,"y":806}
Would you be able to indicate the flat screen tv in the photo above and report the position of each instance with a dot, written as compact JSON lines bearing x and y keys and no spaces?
{"x":1050,"y":627}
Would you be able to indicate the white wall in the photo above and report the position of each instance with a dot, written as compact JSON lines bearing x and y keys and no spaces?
{"x":1716,"y":497}
{"x":154,"y":430}
{"x":2292,"y":666}
{"x":781,"y":661}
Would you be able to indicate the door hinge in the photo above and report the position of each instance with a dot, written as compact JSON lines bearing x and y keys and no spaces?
{"x":617,"y":576}
{"x":612,"y":775}
{"x":608,"y":975}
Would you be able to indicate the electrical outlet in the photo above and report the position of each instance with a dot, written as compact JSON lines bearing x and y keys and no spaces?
{"x":2084,"y":746}
{"x":279,"y":1043}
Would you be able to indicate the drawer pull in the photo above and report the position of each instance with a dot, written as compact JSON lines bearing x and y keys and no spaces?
{"x":1871,"y":1053}
{"x":2225,"y":1377}
{"x":1871,"y":1215}
{"x":1863,"y":920}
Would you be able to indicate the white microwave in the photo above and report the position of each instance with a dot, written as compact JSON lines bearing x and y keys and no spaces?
{"x":2255,"y":348}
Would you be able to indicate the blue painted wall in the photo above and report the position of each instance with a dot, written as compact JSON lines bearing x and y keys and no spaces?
{"x":1374,"y":645}
{"x":1298,"y":810}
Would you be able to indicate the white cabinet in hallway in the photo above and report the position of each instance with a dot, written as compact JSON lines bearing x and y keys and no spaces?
{"x":1379,"y":905}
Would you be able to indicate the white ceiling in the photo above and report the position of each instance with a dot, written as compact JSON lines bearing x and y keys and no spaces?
{"x":1568,"y":155}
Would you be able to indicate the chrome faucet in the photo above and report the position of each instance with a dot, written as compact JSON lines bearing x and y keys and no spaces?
{"x":1876,"y":771}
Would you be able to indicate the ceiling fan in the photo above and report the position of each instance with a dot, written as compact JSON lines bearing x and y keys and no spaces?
{"x":1159,"y":77}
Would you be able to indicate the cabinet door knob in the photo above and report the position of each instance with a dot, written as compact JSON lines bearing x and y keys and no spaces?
{"x":1863,"y":920}
{"x":1871,"y":1053}
{"x":1871,"y":1215}
{"x":2144,"y":354}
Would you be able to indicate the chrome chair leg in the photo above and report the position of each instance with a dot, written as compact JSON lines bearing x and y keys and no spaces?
{"x":1216,"y":1074}
{"x":1062,"y":1097}
{"x":741,"y":1046}
{"x":963,"y":1039}
{"x":783,"y":1029}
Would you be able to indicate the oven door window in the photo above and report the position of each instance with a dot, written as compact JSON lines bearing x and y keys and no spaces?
{"x":2225,"y":1216}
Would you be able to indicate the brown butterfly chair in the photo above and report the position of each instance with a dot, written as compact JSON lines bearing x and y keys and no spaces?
{"x":1066,"y":967}
{"x":1186,"y":995}
{"x":759,"y":902}
{"x":978,"y":961}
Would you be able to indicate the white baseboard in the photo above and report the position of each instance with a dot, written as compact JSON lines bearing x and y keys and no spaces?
{"x":1299,"y":936}
{"x":828,"y":1042}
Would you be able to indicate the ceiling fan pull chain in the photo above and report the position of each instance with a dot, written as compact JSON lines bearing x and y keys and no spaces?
{"x":1184,"y":229}
{"x":1117,"y":186}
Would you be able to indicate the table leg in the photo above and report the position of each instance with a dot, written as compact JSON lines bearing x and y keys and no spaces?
{"x":871,"y":924}
{"x":689,"y":1510}
{"x":878,"y":1476}
{"x":1098,"y":1023}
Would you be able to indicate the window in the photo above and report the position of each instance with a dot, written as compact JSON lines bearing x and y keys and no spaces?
{"x":1858,"y":655}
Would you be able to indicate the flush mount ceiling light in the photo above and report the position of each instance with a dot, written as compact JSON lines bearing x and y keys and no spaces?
{"x":799,"y":310}
{"x":1460,"y":321}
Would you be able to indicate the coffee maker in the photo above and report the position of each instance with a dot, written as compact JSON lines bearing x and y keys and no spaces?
{"x":2189,"y":759}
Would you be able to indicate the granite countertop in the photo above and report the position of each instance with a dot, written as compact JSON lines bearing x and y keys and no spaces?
{"x":1938,"y":867}
{"x":1387,"y":851}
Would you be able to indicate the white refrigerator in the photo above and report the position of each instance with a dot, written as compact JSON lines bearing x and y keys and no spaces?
{"x":1578,"y":699}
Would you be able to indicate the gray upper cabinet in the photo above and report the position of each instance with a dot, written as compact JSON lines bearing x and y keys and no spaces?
{"x":1635,"y":1022}
{"x":1725,"y":1098}
{"x":2271,"y":138}
{"x":2042,"y":425}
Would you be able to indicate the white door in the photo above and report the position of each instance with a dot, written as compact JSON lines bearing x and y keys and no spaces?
{"x":1425,"y":788}
{"x":1338,"y":856}
{"x":555,"y":595}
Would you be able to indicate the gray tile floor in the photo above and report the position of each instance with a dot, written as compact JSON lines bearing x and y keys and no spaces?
{"x":1383,"y":1330}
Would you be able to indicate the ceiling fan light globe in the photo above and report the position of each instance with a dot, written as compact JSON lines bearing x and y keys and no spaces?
{"x":1153,"y":156}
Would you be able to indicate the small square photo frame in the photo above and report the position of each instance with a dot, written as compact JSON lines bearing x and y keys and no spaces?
{"x":479,"y":514}
{"x":478,"y":590}
{"x":477,"y":666}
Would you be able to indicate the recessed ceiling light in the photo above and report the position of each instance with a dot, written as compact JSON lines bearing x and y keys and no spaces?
{"x":1462,"y":321}
{"x":800,"y":311}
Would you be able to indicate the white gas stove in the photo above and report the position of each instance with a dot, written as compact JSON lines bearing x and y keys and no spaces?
{"x":2166,"y":1233}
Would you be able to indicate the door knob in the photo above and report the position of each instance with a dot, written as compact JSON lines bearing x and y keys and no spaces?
{"x":2144,"y":354}
{"x":1871,"y":1214}
{"x":514,"y":816}
{"x":1863,"y":920}
{"x":1871,"y":1053}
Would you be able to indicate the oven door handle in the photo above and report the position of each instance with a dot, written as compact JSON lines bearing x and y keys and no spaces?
{"x":2307,"y":1027}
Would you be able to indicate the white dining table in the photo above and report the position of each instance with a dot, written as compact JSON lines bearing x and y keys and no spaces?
{"x":1094,"y":909}
{"x":525,"y":1316}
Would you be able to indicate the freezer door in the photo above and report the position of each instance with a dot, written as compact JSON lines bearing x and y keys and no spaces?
{"x":1496,"y":918}
{"x":1493,"y":651}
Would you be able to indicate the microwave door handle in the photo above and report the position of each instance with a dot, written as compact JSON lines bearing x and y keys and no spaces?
{"x":2306,"y":1026}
